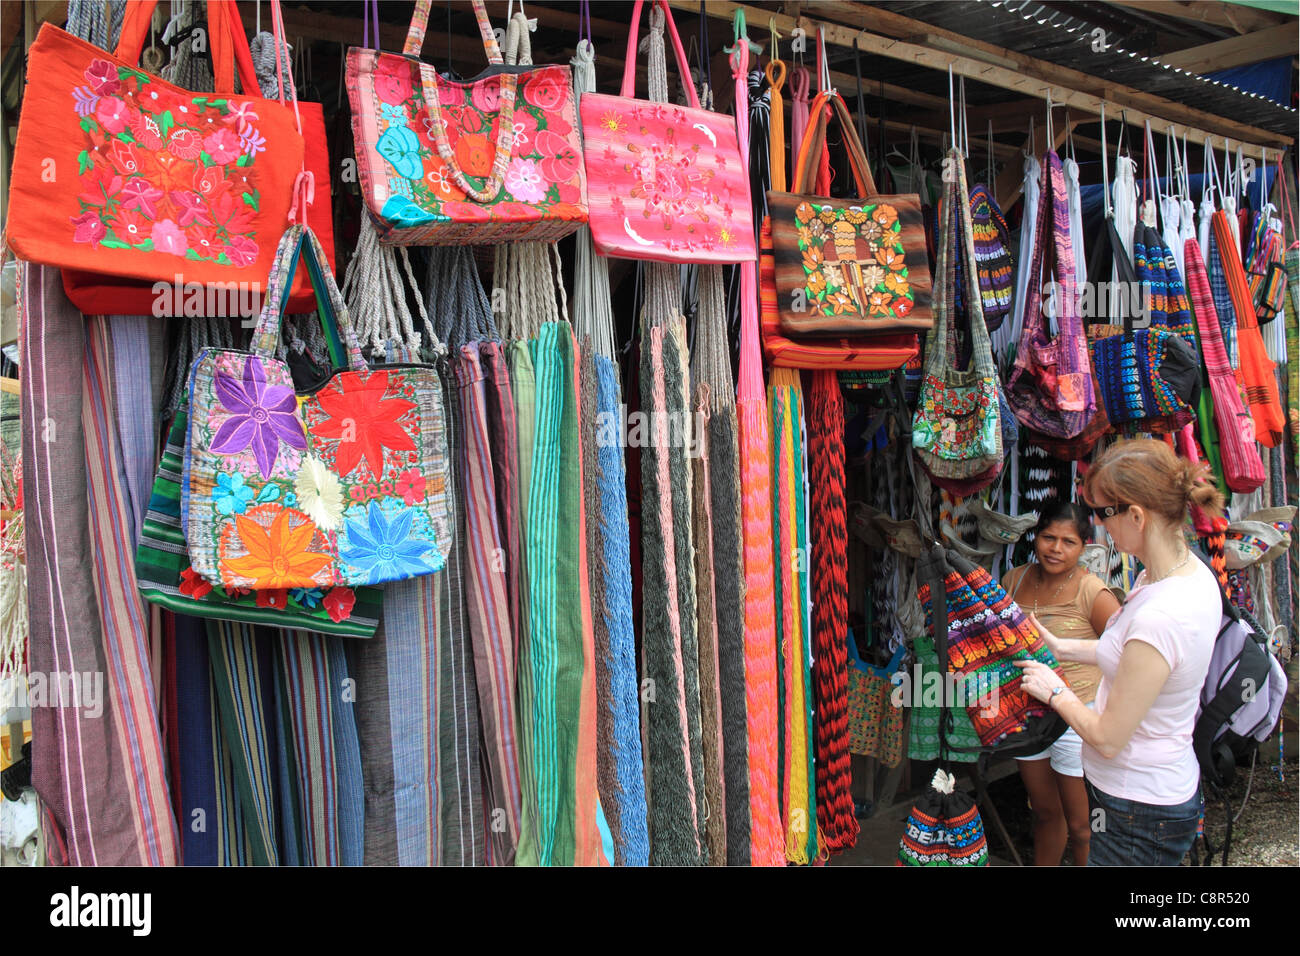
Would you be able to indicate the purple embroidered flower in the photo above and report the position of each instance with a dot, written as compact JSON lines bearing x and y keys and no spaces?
{"x":252,"y":141}
{"x":138,"y":193}
{"x":102,"y":77}
{"x":262,"y":416}
{"x":169,"y":237}
{"x":85,"y":100}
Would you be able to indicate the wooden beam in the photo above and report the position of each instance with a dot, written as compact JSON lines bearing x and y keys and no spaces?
{"x":999,"y":66}
{"x":1233,"y":16}
{"x":1235,"y":51}
{"x":1085,"y":94}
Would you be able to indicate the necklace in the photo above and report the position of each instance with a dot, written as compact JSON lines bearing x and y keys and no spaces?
{"x":1042,"y":580}
{"x":1187,"y":556}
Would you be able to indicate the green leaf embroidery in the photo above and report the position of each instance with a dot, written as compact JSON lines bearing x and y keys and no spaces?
{"x":205,"y":158}
{"x":87,"y":124}
{"x":200,"y":101}
{"x":191,"y":254}
{"x":223,"y":105}
{"x":243,"y":160}
{"x":83,"y":162}
{"x":114,"y":244}
{"x":146,"y":246}
{"x":250,"y":199}
{"x":223,"y":260}
{"x":165,"y":123}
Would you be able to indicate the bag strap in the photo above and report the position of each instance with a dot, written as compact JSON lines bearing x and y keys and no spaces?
{"x":505,"y":135}
{"x":1059,"y":256}
{"x":300,"y":241}
{"x":629,"y":70}
{"x":230,"y":51}
{"x":814,"y":139}
{"x":420,"y":22}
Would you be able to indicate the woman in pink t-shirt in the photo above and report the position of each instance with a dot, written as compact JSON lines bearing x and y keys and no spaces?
{"x":1141,"y":773}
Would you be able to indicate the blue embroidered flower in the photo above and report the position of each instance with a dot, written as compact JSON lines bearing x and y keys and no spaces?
{"x":231,"y":495}
{"x":307,"y":597}
{"x":385,"y":550}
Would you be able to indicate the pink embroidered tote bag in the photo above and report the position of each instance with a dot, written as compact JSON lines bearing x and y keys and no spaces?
{"x":664,"y":182}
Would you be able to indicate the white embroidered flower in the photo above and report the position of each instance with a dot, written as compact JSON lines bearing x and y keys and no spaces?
{"x":320,"y":494}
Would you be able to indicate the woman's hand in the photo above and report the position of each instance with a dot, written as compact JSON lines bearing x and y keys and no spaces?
{"x":1039,"y":680}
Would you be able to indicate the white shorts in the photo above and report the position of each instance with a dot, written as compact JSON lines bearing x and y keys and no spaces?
{"x":1066,"y":753}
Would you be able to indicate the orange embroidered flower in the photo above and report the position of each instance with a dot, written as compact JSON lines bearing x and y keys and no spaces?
{"x":805,"y":237}
{"x":803,"y":212}
{"x":827,"y":214}
{"x":474,"y":152}
{"x":813,"y":258}
{"x":897,"y":283}
{"x":886,"y":216}
{"x":879,"y":303}
{"x":840,"y":303}
{"x":890,"y":258}
{"x":816,"y":283}
{"x":277,"y":556}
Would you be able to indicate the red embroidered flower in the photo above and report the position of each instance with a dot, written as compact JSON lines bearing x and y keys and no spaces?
{"x":338,"y":603}
{"x":223,"y":146}
{"x":557,"y":125}
{"x":132,"y":226}
{"x":194,"y":585}
{"x":524,"y":133}
{"x":146,"y":131}
{"x":113,"y":114}
{"x":241,"y":251}
{"x":99,"y":185}
{"x":569,"y":193}
{"x":450,"y":94}
{"x":123,"y":157}
{"x":560,"y":160}
{"x":362,"y":420}
{"x":185,"y":144}
{"x":205,"y":241}
{"x":89,"y":228}
{"x":169,"y":237}
{"x":486,"y":95}
{"x":514,"y":211}
{"x":410,"y":485}
{"x":102,"y":77}
{"x":393,"y":80}
{"x":210,"y":181}
{"x":155,"y":101}
{"x":543,"y":90}
{"x":457,"y":120}
{"x":139,"y":193}
{"x":231,"y":213}
{"x":474,"y":153}
{"x":278,"y":599}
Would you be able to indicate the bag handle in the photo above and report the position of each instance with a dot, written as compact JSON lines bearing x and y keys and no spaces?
{"x":505,"y":134}
{"x":629,"y":70}
{"x":814,"y":139}
{"x":228,"y":44}
{"x":420,"y":23}
{"x":1059,"y":256}
{"x":300,"y":241}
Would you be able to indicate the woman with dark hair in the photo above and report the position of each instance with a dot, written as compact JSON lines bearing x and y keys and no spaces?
{"x":1073,"y":602}
{"x":1142,"y":776}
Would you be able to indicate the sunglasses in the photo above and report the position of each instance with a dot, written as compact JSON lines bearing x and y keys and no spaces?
{"x":1107,"y":511}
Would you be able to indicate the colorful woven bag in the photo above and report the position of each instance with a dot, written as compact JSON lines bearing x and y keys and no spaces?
{"x":847,"y":266}
{"x":347,"y":485}
{"x":163,"y":570}
{"x":979,"y":631}
{"x":996,"y":268}
{"x":956,"y":432}
{"x":494,"y":159}
{"x":666,"y":182}
{"x":153,"y":184}
{"x":944,"y":828}
{"x":1051,"y":383}
{"x":875,"y":723}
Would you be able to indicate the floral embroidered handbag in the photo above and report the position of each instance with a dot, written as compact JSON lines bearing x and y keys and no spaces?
{"x":163,"y":571}
{"x":346,"y":484}
{"x":666,"y":182}
{"x":956,"y":432}
{"x":847,"y":266}
{"x":1050,"y":387}
{"x":127,"y":181}
{"x":495,"y":159}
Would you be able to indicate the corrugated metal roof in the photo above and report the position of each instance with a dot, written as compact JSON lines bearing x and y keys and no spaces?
{"x":1063,"y":34}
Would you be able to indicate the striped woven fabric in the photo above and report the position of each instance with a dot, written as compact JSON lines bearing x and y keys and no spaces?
{"x":673,"y":811}
{"x":943,"y":830}
{"x":123,"y":620}
{"x":197,"y":723}
{"x":1293,"y":350}
{"x":487,"y":605}
{"x":238,"y":691}
{"x":1155,"y":265}
{"x":1255,"y":368}
{"x":828,"y":553}
{"x":996,"y":270}
{"x":755,"y":455}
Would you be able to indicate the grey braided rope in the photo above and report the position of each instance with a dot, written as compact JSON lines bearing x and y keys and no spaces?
{"x":96,"y":21}
{"x":593,"y":315}
{"x":663,"y":294}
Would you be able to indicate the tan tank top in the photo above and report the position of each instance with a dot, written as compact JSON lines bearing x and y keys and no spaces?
{"x":1071,"y":619}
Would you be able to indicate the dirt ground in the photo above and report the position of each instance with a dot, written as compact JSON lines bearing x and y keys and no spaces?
{"x":1266,"y":831}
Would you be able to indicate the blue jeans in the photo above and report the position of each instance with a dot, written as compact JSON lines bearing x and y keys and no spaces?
{"x":1129,"y":833}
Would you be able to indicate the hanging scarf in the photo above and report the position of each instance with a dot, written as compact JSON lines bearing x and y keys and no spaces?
{"x":829,"y":566}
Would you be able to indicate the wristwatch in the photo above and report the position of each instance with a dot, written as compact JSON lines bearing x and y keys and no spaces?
{"x":1057,"y":690}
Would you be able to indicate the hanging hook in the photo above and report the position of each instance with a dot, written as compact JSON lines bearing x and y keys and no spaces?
{"x":776,"y":38}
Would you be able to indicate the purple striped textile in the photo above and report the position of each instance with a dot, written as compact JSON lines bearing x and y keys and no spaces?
{"x":77,"y":758}
{"x":487,"y":606}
